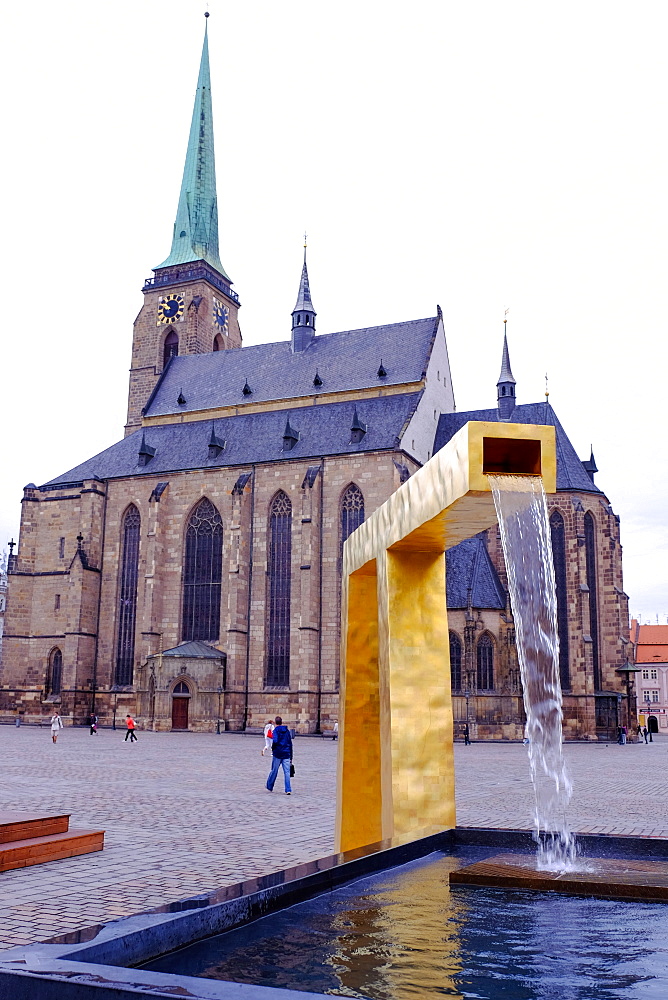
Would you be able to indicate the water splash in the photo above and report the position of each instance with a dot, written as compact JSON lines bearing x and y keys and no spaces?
{"x":521,"y":509}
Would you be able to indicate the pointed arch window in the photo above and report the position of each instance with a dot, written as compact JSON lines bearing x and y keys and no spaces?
{"x":218,"y":342}
{"x":485,"y":663}
{"x":352,"y":511}
{"x":590,"y":563}
{"x":558,"y":536}
{"x":54,"y":676}
{"x":279,"y":571}
{"x":127,"y":596}
{"x":455,"y":662}
{"x":202,"y":574}
{"x":171,"y":347}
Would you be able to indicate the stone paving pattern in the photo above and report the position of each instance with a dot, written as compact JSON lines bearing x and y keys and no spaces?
{"x":185,"y":813}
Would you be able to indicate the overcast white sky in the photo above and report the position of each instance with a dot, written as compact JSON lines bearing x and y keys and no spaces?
{"x":478,"y":155}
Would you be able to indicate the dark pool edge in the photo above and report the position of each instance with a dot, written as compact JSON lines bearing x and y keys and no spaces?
{"x":96,"y":962}
{"x":589,"y":844}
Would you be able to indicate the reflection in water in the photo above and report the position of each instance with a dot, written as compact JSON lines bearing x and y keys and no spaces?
{"x":417,"y":927}
{"x":521,"y":508}
{"x":403,"y":935}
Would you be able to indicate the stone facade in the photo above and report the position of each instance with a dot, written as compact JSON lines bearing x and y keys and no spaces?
{"x":591,"y":711}
{"x":71,"y":602}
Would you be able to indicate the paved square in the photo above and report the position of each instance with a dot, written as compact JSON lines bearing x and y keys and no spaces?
{"x":185,"y":813}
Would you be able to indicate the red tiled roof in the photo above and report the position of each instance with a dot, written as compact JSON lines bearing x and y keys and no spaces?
{"x":652,"y":644}
{"x":656,"y":634}
{"x":652,"y":654}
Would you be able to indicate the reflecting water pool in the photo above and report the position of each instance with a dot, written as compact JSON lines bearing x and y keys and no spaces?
{"x":405,"y":934}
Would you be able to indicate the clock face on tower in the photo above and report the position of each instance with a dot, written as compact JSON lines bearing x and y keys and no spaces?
{"x":221,"y":316}
{"x":170,"y":309}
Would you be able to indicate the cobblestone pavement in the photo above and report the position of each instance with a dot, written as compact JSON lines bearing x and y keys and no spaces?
{"x":185,"y":813}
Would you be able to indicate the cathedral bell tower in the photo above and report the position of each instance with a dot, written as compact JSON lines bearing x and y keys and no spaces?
{"x":189,"y":304}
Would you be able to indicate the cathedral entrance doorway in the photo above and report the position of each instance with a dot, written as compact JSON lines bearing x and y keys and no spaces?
{"x":606,"y":717}
{"x":180,"y":702}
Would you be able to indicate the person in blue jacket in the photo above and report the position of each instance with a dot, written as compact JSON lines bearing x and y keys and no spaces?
{"x":281,"y":755}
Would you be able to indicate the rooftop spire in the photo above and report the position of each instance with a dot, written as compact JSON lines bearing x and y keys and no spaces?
{"x":506,"y":374}
{"x":303,"y":314}
{"x":304,"y":296}
{"x":196,"y":227}
{"x":590,"y":464}
{"x":505,"y":387}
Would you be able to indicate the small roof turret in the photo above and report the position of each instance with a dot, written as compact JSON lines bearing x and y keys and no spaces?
{"x":357,"y":429}
{"x":290,"y":436}
{"x":303,"y":314}
{"x":590,"y":464}
{"x":146,"y":452}
{"x":505,"y":387}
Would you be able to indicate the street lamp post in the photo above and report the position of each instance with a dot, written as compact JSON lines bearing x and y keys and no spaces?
{"x":220,"y":691}
{"x":467,"y":695}
{"x":113,"y":721}
{"x":628,"y":669}
{"x":647,"y":711}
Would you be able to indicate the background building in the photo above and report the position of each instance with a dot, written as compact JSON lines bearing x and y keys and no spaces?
{"x":650,"y":643}
{"x":191,"y":572}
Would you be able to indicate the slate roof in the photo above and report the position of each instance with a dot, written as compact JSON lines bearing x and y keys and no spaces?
{"x":346,"y":360}
{"x":571,"y":473}
{"x":250,"y":438}
{"x":194,"y":649}
{"x":468,"y":566}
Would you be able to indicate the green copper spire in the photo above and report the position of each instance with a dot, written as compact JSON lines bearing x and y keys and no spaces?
{"x":196,"y":227}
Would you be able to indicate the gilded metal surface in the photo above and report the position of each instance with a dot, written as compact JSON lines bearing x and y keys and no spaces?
{"x":396,"y":764}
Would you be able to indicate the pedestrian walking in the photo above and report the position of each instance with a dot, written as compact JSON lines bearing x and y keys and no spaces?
{"x":268,"y":736}
{"x":467,"y":736}
{"x":644,"y":732}
{"x":623,"y":736}
{"x":335,"y":733}
{"x":93,"y":723}
{"x":56,"y":726}
{"x":130,"y":734}
{"x":639,"y":733}
{"x":281,"y":751}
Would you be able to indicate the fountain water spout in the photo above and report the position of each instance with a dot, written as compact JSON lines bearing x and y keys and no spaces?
{"x":521,"y":509}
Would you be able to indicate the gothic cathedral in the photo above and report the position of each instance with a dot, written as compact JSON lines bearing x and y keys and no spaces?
{"x":191,"y":573}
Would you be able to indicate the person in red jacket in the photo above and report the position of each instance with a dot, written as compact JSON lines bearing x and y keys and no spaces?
{"x":268,"y":736}
{"x":130,"y":723}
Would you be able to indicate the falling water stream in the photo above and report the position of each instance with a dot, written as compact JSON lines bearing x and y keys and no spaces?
{"x":521,"y":509}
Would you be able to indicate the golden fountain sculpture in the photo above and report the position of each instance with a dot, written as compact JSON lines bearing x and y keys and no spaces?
{"x":396,"y":759}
